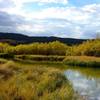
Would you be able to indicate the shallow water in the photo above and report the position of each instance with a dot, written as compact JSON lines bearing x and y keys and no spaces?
{"x":85,"y":81}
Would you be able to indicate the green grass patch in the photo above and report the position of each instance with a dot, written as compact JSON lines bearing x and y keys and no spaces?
{"x":40,"y":57}
{"x":6,"y":55}
{"x":85,"y":61}
{"x":2,"y":61}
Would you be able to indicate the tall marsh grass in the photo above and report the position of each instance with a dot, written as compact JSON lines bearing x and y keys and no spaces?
{"x":84,"y":61}
{"x":33,"y":83}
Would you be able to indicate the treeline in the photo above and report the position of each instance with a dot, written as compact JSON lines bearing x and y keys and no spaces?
{"x":51,"y":48}
{"x":89,"y":48}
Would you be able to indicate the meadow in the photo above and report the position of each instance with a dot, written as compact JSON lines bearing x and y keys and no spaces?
{"x":35,"y":71}
{"x":33,"y":82}
{"x":85,"y":54}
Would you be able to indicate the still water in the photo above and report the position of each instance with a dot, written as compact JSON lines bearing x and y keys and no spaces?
{"x":85,"y":81}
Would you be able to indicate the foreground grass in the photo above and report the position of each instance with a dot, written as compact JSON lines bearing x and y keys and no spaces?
{"x":85,"y":61}
{"x":33,"y":83}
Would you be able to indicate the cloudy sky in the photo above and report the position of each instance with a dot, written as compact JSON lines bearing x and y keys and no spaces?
{"x":62,"y":18}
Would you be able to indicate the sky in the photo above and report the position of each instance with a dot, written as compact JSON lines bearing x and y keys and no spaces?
{"x":61,"y":18}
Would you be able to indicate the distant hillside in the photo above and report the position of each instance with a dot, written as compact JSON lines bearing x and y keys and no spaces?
{"x":14,"y":38}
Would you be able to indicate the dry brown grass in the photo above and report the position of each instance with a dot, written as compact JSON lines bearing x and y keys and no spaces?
{"x":82,"y":61}
{"x":33,"y":83}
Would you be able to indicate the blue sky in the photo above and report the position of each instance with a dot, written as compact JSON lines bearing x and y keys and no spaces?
{"x":61,"y":18}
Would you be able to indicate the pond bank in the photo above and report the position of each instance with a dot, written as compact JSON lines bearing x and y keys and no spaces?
{"x":84,"y":61}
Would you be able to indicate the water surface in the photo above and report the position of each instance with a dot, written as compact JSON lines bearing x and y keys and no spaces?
{"x":85,"y":81}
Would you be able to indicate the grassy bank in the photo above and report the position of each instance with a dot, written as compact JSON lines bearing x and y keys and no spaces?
{"x":84,"y":61}
{"x":40,"y":58}
{"x":33,"y":83}
{"x":2,"y":61}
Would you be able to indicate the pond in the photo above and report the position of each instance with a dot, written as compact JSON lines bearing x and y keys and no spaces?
{"x":85,"y":82}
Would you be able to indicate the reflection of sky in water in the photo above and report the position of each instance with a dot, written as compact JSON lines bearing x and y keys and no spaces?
{"x":89,"y":87}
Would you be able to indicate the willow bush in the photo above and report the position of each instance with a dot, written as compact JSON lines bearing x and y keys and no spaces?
{"x":88,"y":48}
{"x":51,"y":48}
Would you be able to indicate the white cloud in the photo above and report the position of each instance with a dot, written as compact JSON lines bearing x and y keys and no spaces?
{"x":60,"y":21}
{"x":15,"y":6}
{"x":92,"y":8}
{"x":31,"y":28}
{"x":40,"y":1}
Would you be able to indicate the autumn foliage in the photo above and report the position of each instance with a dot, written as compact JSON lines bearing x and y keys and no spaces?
{"x":89,"y":48}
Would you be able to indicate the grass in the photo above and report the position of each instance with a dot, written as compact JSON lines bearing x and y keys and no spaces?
{"x":2,"y":61}
{"x":23,"y":82}
{"x":6,"y":55}
{"x":85,"y":61}
{"x":40,"y":57}
{"x":40,"y":81}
